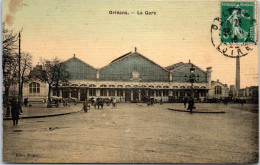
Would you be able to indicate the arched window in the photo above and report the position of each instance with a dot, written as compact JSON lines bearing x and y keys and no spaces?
{"x":34,"y":87}
{"x":111,"y":86}
{"x":218,"y":90}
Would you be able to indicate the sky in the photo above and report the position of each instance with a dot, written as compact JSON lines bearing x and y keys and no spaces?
{"x":179,"y":32}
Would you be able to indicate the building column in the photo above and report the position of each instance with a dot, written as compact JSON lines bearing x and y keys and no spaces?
{"x":124,"y":95}
{"x":154,"y":93}
{"x":60,"y":90}
{"x":139,"y":95}
{"x":108,"y":92}
{"x":87,"y":93}
{"x":97,"y":92}
{"x":115,"y":93}
{"x":132,"y":95}
{"x":79,"y":94}
{"x":170,"y":93}
{"x":161,"y":93}
{"x":69,"y":93}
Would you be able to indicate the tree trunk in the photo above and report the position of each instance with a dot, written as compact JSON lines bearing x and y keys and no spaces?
{"x":6,"y":100}
{"x":21,"y":89}
{"x":49,"y":97}
{"x":57,"y":89}
{"x":22,"y":81}
{"x":6,"y":95}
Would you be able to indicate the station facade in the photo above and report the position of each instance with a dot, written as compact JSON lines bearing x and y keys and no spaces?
{"x":130,"y":78}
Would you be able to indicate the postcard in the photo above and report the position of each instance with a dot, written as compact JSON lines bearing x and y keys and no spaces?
{"x":147,"y":81}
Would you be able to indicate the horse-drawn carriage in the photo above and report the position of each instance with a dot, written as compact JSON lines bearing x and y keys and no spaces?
{"x":73,"y":100}
{"x":99,"y":102}
{"x":151,"y":101}
{"x":54,"y":101}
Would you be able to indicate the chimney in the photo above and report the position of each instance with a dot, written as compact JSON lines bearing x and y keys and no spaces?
{"x":237,"y":73}
{"x":209,"y":70}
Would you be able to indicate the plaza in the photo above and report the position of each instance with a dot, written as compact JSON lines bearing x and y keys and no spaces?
{"x":135,"y":133}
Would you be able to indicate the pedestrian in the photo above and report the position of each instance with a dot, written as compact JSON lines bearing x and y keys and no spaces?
{"x":191,"y":104}
{"x":226,"y":101}
{"x":185,"y":102}
{"x":161,"y":102}
{"x":25,"y":102}
{"x":101,"y":103}
{"x":15,"y":110}
{"x":242,"y":102}
{"x":114,"y":103}
{"x":86,"y":106}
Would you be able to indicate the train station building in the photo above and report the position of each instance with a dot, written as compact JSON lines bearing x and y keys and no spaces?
{"x":130,"y":78}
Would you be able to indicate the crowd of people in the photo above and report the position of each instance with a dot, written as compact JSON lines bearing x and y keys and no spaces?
{"x":16,"y":108}
{"x":99,"y":103}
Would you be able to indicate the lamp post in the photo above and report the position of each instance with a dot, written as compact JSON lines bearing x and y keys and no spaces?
{"x":192,"y":78}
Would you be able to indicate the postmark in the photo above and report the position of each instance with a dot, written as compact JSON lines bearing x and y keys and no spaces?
{"x":234,"y":33}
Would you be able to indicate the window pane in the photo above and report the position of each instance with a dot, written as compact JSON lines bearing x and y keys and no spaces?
{"x":30,"y":90}
{"x":38,"y":90}
{"x":102,"y":92}
{"x":111,"y":92}
{"x":34,"y":90}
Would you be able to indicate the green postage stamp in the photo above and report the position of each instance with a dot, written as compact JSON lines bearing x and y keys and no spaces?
{"x":238,"y":22}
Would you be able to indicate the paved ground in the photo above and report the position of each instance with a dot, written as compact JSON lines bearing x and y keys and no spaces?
{"x":40,"y":110}
{"x":135,"y":133}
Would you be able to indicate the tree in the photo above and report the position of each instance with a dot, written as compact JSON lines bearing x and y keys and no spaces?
{"x":9,"y":46}
{"x":26,"y":66}
{"x":60,"y":74}
{"x":54,"y":72}
{"x":9,"y":63}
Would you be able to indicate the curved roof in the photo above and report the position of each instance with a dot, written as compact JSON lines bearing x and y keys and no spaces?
{"x":129,"y":54}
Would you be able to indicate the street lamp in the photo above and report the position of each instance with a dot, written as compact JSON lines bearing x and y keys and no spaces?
{"x":192,"y":78}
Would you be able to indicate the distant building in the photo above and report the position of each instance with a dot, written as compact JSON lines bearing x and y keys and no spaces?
{"x":232,"y":91}
{"x":249,"y":93}
{"x":35,"y":89}
{"x":129,"y":78}
{"x":218,"y":90}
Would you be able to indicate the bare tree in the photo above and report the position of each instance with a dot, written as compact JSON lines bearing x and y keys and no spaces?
{"x":61,"y":75}
{"x":9,"y":46}
{"x":26,"y":66}
{"x":9,"y":63}
{"x":54,"y":72}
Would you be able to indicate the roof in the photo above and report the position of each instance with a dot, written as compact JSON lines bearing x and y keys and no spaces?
{"x":129,"y":55}
{"x":171,"y":67}
{"x":180,"y":65}
{"x":219,"y":83}
{"x":119,"y":58}
{"x":73,"y":58}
